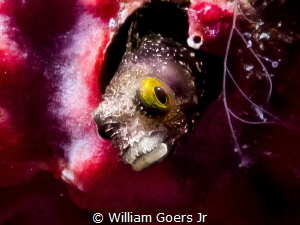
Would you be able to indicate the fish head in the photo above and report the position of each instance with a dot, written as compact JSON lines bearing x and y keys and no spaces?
{"x":150,"y":103}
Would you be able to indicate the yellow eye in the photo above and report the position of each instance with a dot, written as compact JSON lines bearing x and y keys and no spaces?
{"x":154,"y":93}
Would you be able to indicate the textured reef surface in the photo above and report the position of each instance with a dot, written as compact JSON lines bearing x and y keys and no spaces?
{"x":239,"y":166}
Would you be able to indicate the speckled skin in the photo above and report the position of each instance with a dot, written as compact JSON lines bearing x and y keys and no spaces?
{"x":162,"y":59}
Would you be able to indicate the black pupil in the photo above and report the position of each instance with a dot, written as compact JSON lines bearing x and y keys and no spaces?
{"x":197,"y":39}
{"x":160,"y":94}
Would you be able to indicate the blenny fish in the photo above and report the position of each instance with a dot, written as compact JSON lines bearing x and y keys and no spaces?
{"x":156,"y":96}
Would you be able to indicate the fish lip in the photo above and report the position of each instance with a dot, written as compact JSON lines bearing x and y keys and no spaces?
{"x":157,"y":154}
{"x":165,"y":146}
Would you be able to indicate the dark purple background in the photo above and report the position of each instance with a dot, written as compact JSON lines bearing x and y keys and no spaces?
{"x":266,"y":192}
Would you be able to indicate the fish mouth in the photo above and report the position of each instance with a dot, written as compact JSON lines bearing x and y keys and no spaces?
{"x":143,"y":152}
{"x":156,"y":155}
{"x":147,"y":151}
